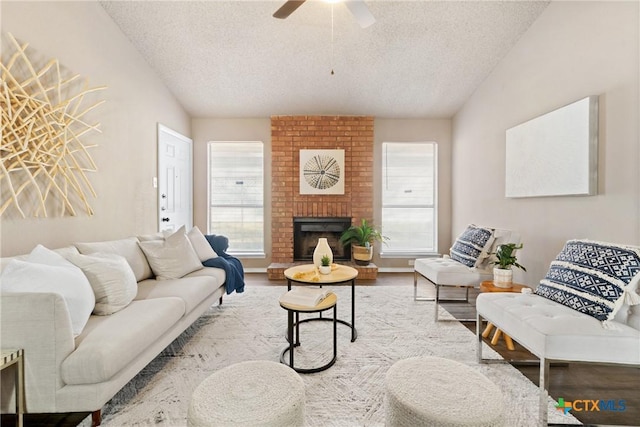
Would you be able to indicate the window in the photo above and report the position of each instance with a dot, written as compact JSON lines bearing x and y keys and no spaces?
{"x":236,"y":195}
{"x":409,"y":198}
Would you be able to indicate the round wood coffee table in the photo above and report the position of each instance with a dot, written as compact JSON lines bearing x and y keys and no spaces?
{"x":308,"y":274}
{"x":488,"y":286}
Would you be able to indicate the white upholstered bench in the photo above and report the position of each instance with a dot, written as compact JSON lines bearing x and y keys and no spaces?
{"x":449,"y":272}
{"x":557,"y":333}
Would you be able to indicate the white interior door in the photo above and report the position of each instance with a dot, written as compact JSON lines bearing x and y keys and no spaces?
{"x":175,"y":180}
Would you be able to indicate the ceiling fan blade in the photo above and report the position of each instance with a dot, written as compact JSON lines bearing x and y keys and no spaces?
{"x":288,"y":8}
{"x":361,"y":12}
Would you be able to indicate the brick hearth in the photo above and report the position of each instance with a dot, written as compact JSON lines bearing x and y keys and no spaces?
{"x":290,"y":134}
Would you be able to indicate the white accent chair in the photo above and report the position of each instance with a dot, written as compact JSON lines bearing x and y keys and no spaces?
{"x":444,"y":271}
{"x":557,"y":333}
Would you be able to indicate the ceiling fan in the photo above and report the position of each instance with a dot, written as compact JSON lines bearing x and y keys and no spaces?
{"x":358,"y":9}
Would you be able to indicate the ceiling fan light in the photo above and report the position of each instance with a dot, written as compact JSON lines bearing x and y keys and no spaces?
{"x":360,"y":12}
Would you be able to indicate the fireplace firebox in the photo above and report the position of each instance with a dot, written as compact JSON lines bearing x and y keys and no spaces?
{"x":307,"y":231}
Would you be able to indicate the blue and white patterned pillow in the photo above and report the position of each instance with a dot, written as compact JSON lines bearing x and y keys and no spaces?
{"x":592,"y":277}
{"x":471,"y":246}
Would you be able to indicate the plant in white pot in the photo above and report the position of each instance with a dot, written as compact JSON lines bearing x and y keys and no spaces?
{"x":361,"y":237}
{"x":325,"y":266}
{"x":505,"y":260}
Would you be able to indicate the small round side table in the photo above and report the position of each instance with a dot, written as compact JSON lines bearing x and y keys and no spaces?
{"x":488,"y":286}
{"x":329,"y":302}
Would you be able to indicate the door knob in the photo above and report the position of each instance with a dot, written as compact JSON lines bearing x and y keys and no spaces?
{"x":165,"y":220}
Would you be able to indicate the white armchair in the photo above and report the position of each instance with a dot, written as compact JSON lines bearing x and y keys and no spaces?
{"x":587,"y":310}
{"x":466,"y":266}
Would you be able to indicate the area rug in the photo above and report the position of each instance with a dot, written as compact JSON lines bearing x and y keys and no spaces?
{"x":252,"y":326}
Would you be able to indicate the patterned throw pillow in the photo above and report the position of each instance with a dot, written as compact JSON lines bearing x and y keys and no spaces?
{"x":471,"y":246}
{"x":591,"y":277}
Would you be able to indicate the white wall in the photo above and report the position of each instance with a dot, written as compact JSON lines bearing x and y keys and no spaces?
{"x":416,"y":130}
{"x":85,"y":40}
{"x":206,"y":130}
{"x":574,"y":49}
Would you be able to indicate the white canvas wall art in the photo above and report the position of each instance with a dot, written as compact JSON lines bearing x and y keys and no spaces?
{"x":554,"y":154}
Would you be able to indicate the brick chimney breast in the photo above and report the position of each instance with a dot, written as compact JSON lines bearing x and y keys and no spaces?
{"x":290,"y":134}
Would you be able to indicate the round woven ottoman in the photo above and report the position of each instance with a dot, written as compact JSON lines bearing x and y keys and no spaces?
{"x":254,"y":393}
{"x":431,"y":391}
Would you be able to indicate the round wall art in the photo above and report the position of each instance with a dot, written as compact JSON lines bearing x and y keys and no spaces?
{"x":321,"y":171}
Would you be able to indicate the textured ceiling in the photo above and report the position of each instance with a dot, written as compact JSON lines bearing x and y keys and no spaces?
{"x":232,"y":59}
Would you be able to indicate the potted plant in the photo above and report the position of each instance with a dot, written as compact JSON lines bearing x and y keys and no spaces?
{"x":361,"y":238}
{"x":505,"y":260}
{"x":325,"y":267}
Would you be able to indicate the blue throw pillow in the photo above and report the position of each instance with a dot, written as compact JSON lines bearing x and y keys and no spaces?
{"x":470,"y":245}
{"x":591,"y":277}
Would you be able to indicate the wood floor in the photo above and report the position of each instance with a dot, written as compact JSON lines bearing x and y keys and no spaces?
{"x":570,"y":381}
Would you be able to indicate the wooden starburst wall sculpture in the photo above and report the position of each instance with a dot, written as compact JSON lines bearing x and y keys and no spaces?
{"x":44,"y":162}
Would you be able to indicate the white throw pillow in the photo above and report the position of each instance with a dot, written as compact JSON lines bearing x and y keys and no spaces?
{"x":128,"y":248}
{"x":111,"y":278}
{"x":201,"y":245}
{"x":171,"y":258}
{"x":48,"y":272}
{"x":155,"y":236}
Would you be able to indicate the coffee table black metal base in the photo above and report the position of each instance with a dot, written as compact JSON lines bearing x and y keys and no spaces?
{"x":352,"y":282}
{"x":295,"y":343}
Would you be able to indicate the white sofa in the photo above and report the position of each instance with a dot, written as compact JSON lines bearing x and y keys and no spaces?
{"x":66,"y":374}
{"x":558,"y":332}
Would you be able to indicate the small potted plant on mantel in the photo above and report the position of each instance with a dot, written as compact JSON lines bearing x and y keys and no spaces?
{"x":505,"y":260}
{"x":325,"y":266}
{"x":361,"y":237}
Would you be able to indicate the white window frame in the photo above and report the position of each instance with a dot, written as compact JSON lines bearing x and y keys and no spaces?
{"x":409,"y":253}
{"x":258,"y":253}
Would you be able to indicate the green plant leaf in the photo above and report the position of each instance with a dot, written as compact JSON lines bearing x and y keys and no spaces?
{"x":505,"y":256}
{"x":362,"y":235}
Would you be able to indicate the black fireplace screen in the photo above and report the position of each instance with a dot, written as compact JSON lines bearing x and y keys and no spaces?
{"x":307,"y":231}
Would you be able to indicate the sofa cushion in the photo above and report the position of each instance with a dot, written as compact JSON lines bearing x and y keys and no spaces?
{"x":470,"y":248}
{"x":155,"y":236}
{"x":558,"y":332}
{"x":593,"y":277}
{"x":445,"y":271}
{"x":173,"y":257}
{"x":128,"y":248}
{"x":201,"y":245}
{"x":103,"y":349}
{"x":218,"y":273}
{"x":111,"y":278}
{"x":192,"y":290}
{"x":64,"y":251}
{"x":46,"y":271}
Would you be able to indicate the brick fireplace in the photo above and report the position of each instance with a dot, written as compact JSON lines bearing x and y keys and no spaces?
{"x":290,"y":134}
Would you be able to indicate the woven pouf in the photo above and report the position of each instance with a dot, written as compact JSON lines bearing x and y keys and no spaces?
{"x":255,"y":393}
{"x":431,"y":391}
